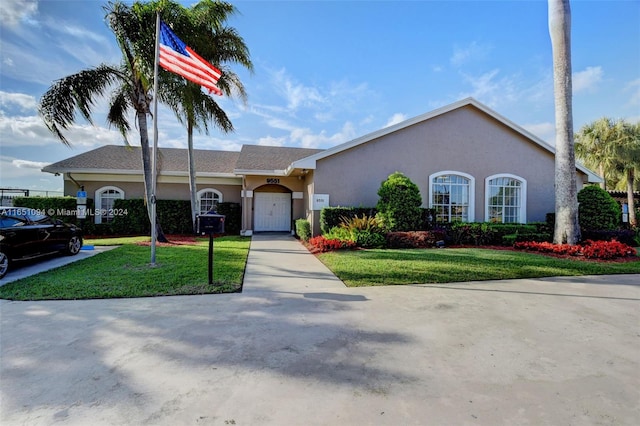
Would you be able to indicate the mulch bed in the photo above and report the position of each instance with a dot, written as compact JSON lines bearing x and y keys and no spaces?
{"x":626,"y":259}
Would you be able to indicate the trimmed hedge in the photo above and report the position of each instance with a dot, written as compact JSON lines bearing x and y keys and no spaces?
{"x":414,"y":239}
{"x":303,"y":229}
{"x":399,"y":203}
{"x":173,"y":215}
{"x":597,"y":210}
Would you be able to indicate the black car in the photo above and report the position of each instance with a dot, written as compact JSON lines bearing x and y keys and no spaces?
{"x":29,"y":234}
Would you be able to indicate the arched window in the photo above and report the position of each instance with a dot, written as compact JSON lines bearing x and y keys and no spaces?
{"x":506,"y":197}
{"x":104,"y":200}
{"x":451,"y":194}
{"x":208,"y":200}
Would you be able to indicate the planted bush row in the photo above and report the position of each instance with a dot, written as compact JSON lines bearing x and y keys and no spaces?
{"x":589,"y":249}
{"x":173,"y":215}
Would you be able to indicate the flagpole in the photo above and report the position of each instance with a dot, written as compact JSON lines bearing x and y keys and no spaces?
{"x":152,"y":199}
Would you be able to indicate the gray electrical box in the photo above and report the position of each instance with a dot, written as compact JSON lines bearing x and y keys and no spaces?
{"x":210,"y":223}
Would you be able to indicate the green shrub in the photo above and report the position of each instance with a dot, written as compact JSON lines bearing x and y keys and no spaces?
{"x":597,"y":210}
{"x":303,"y":229}
{"x":414,"y":239}
{"x":233,"y":217}
{"x":478,"y":234}
{"x":511,"y":239}
{"x":368,"y":239}
{"x":330,"y":217}
{"x":427,"y":219}
{"x":399,"y":203}
{"x":338,"y":233}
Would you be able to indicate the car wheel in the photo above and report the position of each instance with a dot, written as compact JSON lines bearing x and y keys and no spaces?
{"x":74,"y":245}
{"x":4,"y":264}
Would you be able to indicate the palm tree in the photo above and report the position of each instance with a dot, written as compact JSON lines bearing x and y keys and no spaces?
{"x":219,"y":45}
{"x":628,"y":154}
{"x":613,"y":147}
{"x":128,"y":84}
{"x":593,"y":143}
{"x":566,"y":229}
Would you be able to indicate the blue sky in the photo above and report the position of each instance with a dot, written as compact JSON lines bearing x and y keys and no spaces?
{"x":329,"y":71}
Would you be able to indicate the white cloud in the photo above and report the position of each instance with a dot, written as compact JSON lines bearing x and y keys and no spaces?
{"x":587,"y":80}
{"x":271,"y":141}
{"x":545,"y":131}
{"x":306,"y":138}
{"x":296,"y":94}
{"x":633,"y":88}
{"x":12,"y":12}
{"x":472,"y":52}
{"x":488,"y":88}
{"x":22,"y":101}
{"x":28,"y":164}
{"x":395,"y":119}
{"x":30,"y":131}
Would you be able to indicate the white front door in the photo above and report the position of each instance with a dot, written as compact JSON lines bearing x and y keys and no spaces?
{"x":271,"y":211}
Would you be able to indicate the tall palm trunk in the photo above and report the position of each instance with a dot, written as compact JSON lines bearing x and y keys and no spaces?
{"x":147,"y":171}
{"x":567,"y":229}
{"x":192,"y":172}
{"x":633,"y":221}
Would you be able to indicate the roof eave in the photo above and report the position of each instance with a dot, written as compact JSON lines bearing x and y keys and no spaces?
{"x":48,"y":169}
{"x":246,"y":172}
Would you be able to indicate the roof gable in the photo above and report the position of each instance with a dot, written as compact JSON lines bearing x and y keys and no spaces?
{"x":310,"y":162}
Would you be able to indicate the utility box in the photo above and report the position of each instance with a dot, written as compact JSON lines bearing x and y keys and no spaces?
{"x":210,"y":223}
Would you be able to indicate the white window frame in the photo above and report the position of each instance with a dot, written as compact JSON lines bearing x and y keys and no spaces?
{"x":98,"y":200}
{"x":523,"y":195}
{"x":200,"y":193}
{"x":472,"y":190}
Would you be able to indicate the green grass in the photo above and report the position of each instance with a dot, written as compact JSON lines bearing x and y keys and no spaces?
{"x":125,"y":272}
{"x":117,"y":241}
{"x":418,"y":266}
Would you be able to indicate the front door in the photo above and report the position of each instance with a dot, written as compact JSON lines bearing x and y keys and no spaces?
{"x":272,"y":211}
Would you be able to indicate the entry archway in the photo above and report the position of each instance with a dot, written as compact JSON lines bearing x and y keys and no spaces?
{"x":271,"y":208}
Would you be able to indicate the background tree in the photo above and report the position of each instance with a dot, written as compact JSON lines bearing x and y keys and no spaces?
{"x":593,"y":146}
{"x":206,"y":32}
{"x":629,"y":156}
{"x":128,"y":85}
{"x":613,"y":147}
{"x":567,"y":229}
{"x":399,"y":205}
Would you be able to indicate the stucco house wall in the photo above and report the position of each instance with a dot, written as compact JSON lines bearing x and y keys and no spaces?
{"x":464,"y":140}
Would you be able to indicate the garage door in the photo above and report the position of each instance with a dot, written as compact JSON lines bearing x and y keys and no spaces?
{"x":272,"y":211}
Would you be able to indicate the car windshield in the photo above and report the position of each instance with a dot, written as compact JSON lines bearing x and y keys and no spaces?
{"x":11,"y":218}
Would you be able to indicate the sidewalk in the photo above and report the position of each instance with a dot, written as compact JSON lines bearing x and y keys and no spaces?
{"x":280,"y":263}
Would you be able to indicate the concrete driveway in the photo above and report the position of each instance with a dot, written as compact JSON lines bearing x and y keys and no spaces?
{"x":312,"y":352}
{"x":25,"y":269}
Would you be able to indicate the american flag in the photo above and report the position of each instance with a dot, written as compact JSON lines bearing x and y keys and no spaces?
{"x":178,"y":58}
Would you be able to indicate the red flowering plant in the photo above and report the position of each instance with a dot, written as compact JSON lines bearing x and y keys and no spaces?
{"x":606,"y":249}
{"x":323,"y":244}
{"x":590,"y":249}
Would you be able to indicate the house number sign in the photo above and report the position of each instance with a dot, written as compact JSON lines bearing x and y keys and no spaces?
{"x":273,"y":180}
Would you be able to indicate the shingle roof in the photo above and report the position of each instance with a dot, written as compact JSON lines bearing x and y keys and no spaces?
{"x":266,"y":158}
{"x":122,"y":158}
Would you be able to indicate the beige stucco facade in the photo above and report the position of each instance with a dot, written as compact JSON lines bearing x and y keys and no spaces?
{"x":465,"y":139}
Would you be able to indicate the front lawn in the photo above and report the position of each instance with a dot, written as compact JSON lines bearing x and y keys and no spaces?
{"x":125,"y":272}
{"x":421,"y":266}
